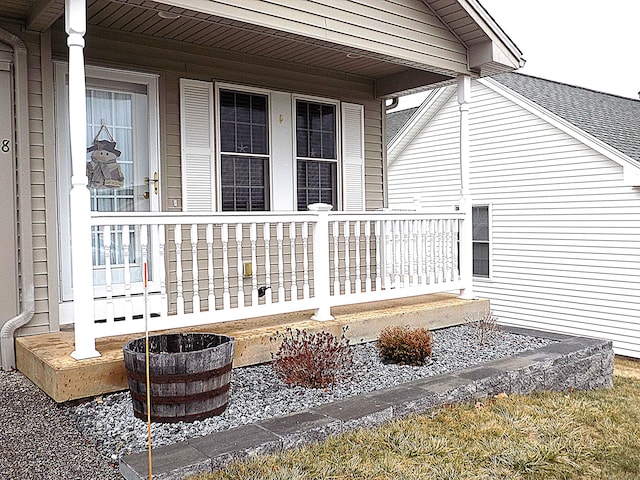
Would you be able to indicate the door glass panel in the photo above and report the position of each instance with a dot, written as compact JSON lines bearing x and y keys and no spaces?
{"x":116,"y":170}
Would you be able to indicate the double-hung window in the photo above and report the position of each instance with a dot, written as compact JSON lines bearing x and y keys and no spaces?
{"x":316,"y":154}
{"x":480,"y":222}
{"x":244,"y":151}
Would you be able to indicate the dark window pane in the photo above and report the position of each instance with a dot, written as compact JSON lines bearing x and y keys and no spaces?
{"x":480,"y":225}
{"x":316,"y":183}
{"x":243,"y":123}
{"x":481,"y":259}
{"x":245,"y":182}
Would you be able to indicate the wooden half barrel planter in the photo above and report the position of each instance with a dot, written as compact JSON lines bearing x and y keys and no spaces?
{"x":189,"y":375}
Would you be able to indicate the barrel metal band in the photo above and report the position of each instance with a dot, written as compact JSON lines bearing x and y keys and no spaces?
{"x":183,"y":418}
{"x":179,"y":377}
{"x":179,"y":399}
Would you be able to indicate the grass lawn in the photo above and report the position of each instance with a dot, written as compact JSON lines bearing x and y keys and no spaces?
{"x":560,"y":435}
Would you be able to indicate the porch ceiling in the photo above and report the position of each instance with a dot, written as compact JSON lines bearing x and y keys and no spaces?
{"x":393,"y":75}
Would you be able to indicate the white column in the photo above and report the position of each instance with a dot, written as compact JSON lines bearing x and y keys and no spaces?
{"x":82,"y":274}
{"x":321,"y":278}
{"x":466,"y":231}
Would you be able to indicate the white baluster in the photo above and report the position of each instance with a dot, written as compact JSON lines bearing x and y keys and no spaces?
{"x":253,"y":237}
{"x":456,"y":258}
{"x":432,"y":252}
{"x":280,"y":239}
{"x":397,"y":253}
{"x":346,"y":233}
{"x":335,"y":232}
{"x":294,"y":278}
{"x":144,"y":263}
{"x":379,"y":281}
{"x":226,"y":296}
{"x":306,"y":293}
{"x":422,"y":280}
{"x":162,"y":271}
{"x":389,"y":252}
{"x":211,"y":299}
{"x":367,"y":242}
{"x":177,"y":239}
{"x":194,"y":267}
{"x":356,"y":234}
{"x":240,"y":266}
{"x":406,"y":252}
{"x":414,"y":252}
{"x":127,"y":273}
{"x":266,"y":233}
{"x":106,"y":235}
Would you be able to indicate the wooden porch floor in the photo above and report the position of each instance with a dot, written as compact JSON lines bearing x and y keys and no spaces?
{"x":46,"y":361}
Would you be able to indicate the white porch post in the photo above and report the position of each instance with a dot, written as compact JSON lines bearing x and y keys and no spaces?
{"x":82,"y":275}
{"x":466,"y":230}
{"x":321,"y":277}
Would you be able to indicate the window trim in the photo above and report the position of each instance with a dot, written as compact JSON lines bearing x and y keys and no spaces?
{"x":489,"y":242}
{"x":338,"y":139}
{"x":218,"y":86}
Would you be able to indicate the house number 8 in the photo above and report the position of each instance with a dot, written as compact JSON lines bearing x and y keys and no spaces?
{"x":5,"y":146}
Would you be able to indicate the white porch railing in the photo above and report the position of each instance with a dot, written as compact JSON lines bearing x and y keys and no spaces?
{"x":211,"y":268}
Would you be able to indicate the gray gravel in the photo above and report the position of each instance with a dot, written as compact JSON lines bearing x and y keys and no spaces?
{"x":42,"y":440}
{"x":38,"y":442}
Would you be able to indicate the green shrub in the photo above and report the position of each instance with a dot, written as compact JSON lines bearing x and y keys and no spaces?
{"x":314,"y":360}
{"x":405,"y":345}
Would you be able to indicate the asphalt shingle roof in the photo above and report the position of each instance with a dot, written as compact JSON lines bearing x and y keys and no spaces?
{"x":612,"y":119}
{"x":396,"y":120}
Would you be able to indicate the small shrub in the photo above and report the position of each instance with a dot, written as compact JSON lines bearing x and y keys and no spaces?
{"x":405,"y":345}
{"x":314,"y":360}
{"x":485,"y":326}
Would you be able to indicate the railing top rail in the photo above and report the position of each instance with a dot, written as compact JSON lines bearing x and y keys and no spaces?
{"x":173,"y":218}
{"x":396,"y":215}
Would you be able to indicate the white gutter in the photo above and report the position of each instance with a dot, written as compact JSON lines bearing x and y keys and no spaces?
{"x":7,"y":347}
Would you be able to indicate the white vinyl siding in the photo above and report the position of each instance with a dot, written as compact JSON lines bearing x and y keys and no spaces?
{"x":564,"y":227}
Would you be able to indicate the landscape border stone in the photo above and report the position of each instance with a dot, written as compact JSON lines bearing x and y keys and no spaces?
{"x":578,"y":363}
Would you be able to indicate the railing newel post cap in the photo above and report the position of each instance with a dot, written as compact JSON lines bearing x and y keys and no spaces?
{"x":319,"y":207}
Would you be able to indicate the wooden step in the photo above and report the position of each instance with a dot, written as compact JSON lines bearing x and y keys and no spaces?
{"x":46,"y":360}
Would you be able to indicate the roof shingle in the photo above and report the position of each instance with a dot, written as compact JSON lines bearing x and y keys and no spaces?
{"x":612,"y":119}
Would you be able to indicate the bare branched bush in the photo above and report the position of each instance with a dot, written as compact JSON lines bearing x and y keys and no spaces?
{"x":485,"y":326}
{"x":314,"y":360}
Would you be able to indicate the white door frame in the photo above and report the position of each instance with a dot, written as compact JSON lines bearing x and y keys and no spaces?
{"x":150,"y":82}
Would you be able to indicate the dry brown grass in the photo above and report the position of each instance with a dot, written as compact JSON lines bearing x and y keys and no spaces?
{"x":559,"y":435}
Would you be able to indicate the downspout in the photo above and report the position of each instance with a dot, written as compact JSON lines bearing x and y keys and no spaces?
{"x":23,"y":181}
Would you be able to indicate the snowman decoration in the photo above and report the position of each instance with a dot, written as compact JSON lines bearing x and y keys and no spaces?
{"x":103,"y":170}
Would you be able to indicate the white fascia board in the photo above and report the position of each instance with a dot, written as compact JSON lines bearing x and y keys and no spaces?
{"x":428,"y":108}
{"x":631,"y":168}
{"x":491,"y":28}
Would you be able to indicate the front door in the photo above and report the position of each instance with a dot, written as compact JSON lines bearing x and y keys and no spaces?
{"x":122,"y":169}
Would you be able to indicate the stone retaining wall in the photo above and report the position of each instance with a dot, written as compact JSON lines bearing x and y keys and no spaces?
{"x":573,"y":363}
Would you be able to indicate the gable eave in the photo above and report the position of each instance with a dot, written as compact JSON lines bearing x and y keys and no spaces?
{"x":428,"y":109}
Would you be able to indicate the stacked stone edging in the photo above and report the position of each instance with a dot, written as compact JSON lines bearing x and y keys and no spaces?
{"x":573,"y":363}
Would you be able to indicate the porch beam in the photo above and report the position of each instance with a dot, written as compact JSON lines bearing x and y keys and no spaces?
{"x":80,"y":213}
{"x":410,"y":81}
{"x":44,"y":13}
{"x":466,"y":229}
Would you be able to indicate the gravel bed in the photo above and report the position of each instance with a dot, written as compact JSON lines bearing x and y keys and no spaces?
{"x":257,"y":393}
{"x":38,"y":442}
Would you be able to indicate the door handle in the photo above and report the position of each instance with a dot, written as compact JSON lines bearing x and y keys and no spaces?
{"x":155,"y":181}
